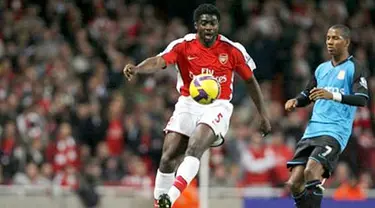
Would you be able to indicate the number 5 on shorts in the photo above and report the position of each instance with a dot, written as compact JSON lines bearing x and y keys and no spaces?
{"x":219,"y":117}
{"x":328,"y":150}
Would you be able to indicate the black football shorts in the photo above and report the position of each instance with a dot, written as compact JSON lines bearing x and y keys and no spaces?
{"x":324,"y":149}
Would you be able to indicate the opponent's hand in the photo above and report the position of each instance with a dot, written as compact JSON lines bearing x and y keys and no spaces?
{"x":129,"y":71}
{"x":265,"y":126}
{"x":291,"y":104}
{"x":319,"y":93}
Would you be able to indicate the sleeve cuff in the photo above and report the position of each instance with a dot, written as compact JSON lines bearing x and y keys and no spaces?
{"x":337,"y":97}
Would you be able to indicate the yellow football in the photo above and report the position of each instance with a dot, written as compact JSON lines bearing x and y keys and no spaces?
{"x":204,"y":89}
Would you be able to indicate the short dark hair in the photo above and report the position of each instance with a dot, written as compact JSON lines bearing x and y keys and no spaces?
{"x":206,"y":9}
{"x":345,"y":31}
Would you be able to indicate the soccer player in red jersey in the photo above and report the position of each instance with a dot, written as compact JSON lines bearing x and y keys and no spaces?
{"x":193,"y":128}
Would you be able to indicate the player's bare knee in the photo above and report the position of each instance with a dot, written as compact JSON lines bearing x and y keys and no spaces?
{"x":200,"y":141}
{"x":167,"y":164}
{"x":294,"y":186}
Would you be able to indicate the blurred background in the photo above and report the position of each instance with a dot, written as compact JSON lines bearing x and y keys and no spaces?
{"x":70,"y":125}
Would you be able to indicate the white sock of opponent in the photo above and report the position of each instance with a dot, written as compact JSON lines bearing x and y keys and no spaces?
{"x":185,"y":174}
{"x":163,"y":182}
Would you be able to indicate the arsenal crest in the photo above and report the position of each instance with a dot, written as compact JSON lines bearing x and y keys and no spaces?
{"x":223,"y":58}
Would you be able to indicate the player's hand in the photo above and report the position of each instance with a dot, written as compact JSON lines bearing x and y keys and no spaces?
{"x":319,"y":93}
{"x":265,"y":126}
{"x":291,"y":104}
{"x":129,"y":71}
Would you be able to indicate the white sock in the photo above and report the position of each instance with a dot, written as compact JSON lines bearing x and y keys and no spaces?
{"x":185,"y":174}
{"x":163,"y":182}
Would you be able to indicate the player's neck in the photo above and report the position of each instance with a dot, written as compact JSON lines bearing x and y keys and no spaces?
{"x":205,"y":44}
{"x":339,"y":58}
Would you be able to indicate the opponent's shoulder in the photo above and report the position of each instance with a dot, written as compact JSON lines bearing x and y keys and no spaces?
{"x":322,"y":67}
{"x":357,"y":66}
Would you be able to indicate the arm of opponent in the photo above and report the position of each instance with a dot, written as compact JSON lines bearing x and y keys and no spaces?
{"x":302,"y":99}
{"x":354,"y":100}
{"x":359,"y":96}
{"x":359,"y":89}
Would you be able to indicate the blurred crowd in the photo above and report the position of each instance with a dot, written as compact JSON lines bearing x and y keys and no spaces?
{"x":66,"y":110}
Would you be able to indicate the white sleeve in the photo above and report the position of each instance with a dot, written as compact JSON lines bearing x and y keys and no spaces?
{"x":170,"y":46}
{"x":249,"y":61}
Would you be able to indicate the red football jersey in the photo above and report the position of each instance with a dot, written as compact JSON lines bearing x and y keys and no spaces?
{"x":221,"y":60}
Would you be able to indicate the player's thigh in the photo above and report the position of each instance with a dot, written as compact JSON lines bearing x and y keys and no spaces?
{"x":184,"y":118}
{"x":302,"y":153}
{"x":201,"y":139}
{"x":324,"y":158}
{"x":178,"y":130}
{"x":175,"y":144}
{"x":182,"y":122}
{"x":217,"y":118}
{"x":174,"y":147}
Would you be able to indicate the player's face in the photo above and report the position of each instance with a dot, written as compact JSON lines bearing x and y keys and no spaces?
{"x":208,"y":28}
{"x":336,"y":44}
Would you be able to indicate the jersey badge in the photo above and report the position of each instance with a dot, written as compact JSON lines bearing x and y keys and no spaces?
{"x":223,"y":58}
{"x":341,"y":75}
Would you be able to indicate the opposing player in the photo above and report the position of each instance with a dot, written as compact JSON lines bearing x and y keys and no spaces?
{"x":337,"y":87}
{"x":193,"y":128}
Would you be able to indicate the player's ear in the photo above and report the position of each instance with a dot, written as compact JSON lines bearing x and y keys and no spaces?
{"x":347,"y":42}
{"x":195,"y":25}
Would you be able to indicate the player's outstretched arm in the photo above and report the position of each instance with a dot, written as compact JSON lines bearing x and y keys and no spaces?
{"x":257,"y":97}
{"x":244,"y":67}
{"x":359,"y":100}
{"x":302,"y":99}
{"x":150,"y":65}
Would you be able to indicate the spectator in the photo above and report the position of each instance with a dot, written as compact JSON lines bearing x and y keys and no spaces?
{"x":341,"y":175}
{"x":63,"y":152}
{"x":67,"y":178}
{"x":8,"y":140}
{"x":221,"y":177}
{"x":46,"y":171}
{"x":283,"y":153}
{"x":258,"y":159}
{"x":365,"y":181}
{"x":31,"y":176}
{"x":112,"y":173}
{"x":349,"y":190}
{"x":137,"y":176}
{"x":115,"y":132}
